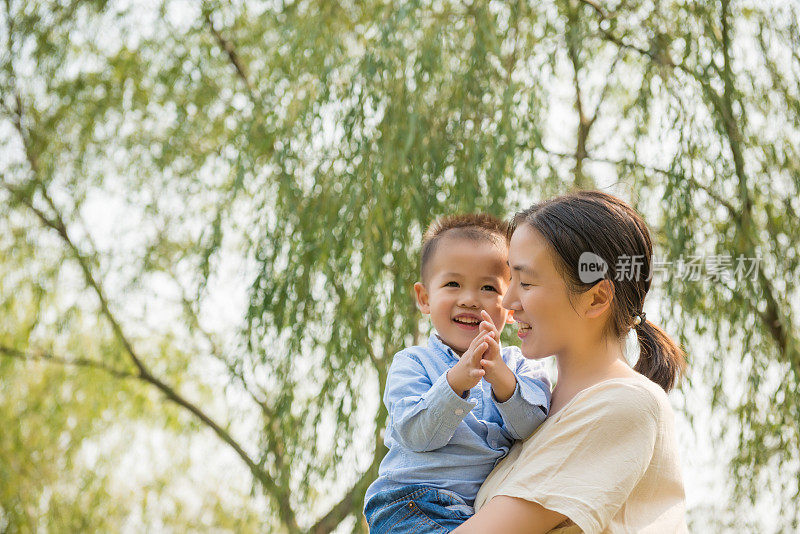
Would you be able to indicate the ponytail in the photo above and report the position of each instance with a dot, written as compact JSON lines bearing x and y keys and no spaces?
{"x":660,"y":359}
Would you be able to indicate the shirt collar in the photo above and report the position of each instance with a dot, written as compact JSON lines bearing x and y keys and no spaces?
{"x":435,"y":342}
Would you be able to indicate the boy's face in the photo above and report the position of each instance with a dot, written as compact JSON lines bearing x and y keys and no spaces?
{"x":465,"y":277}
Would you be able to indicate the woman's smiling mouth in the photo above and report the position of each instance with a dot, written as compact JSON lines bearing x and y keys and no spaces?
{"x":523,"y":328}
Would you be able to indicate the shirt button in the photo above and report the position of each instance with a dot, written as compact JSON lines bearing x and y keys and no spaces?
{"x":459,"y":411}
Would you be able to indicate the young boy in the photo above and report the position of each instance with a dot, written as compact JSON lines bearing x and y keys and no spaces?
{"x":456,"y":405}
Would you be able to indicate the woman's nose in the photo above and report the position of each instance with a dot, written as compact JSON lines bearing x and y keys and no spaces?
{"x":509,"y":300}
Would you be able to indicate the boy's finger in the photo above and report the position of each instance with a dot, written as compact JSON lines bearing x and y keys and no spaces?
{"x":478,"y":352}
{"x":487,"y":317}
{"x":470,"y":352}
{"x":477,"y":340}
{"x":487,"y":364}
{"x":486,"y":325}
{"x":477,"y":373}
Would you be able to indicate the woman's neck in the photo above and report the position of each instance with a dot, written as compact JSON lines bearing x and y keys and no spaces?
{"x":583,"y":367}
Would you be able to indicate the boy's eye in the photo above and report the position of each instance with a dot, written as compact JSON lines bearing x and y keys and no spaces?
{"x":489,"y":288}
{"x":451,"y":284}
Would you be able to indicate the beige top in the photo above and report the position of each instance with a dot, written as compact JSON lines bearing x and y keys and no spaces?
{"x":607,"y":460}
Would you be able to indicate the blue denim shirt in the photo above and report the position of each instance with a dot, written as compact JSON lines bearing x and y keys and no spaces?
{"x":439,"y":439}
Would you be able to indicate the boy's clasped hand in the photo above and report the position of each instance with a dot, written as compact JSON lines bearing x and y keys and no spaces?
{"x":482,"y":360}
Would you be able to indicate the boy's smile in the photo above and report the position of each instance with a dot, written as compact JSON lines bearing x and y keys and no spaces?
{"x":467,"y":321}
{"x":466,"y":276}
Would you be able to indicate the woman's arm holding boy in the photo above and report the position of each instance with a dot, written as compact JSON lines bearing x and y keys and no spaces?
{"x":511,"y":515}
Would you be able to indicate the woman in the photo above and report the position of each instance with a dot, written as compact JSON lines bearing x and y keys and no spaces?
{"x":605,"y":460}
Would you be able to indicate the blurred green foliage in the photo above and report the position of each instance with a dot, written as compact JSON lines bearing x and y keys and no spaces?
{"x":211,"y":214}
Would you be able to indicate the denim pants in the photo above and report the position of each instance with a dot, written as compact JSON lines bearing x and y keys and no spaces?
{"x":416,"y":509}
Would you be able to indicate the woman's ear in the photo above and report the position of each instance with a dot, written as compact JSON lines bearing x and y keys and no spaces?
{"x":598,"y":299}
{"x":421,"y":294}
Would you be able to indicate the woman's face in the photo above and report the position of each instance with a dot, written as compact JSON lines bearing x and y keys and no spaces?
{"x":548,"y":323}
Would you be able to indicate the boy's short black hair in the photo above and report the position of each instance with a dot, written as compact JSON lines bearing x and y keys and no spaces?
{"x":471,"y":226}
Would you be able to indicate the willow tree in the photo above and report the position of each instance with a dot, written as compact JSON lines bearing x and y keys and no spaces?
{"x":281,"y":161}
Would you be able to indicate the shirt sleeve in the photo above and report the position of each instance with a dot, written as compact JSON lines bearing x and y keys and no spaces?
{"x":528,"y":406}
{"x":423,"y":413}
{"x":586,"y":465}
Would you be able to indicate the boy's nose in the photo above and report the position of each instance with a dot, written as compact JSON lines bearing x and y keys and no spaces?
{"x":468,"y":299}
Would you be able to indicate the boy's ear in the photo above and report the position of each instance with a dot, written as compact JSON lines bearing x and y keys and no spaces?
{"x":421,"y":294}
{"x":598,"y":299}
{"x":510,"y":318}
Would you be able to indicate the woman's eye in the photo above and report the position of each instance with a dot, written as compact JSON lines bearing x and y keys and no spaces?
{"x":489,"y":288}
{"x":524,"y":285}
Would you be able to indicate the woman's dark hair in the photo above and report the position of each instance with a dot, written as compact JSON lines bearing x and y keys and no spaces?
{"x":599,"y":223}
